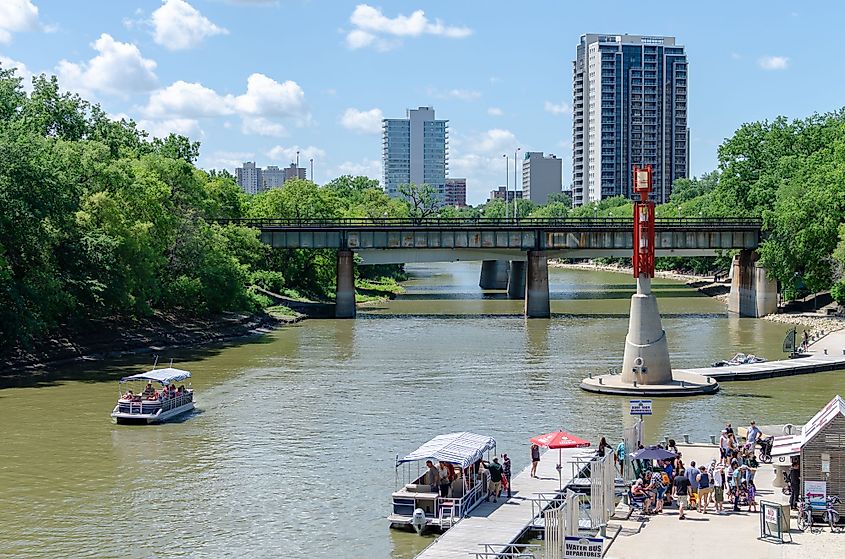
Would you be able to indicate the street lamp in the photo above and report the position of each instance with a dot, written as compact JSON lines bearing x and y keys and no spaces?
{"x":507,"y":186}
{"x":312,"y":169}
{"x":515,"y":159}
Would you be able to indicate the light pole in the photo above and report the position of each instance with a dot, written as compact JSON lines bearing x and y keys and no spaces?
{"x":312,"y":169}
{"x":507,"y":186}
{"x":515,"y":159}
{"x":297,"y":161}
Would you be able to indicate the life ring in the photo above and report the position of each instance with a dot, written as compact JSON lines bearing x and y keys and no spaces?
{"x":788,"y":429}
{"x":638,"y":362}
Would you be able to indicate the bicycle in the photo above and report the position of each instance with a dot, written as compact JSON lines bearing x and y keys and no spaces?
{"x":805,"y":514}
{"x":830,"y":515}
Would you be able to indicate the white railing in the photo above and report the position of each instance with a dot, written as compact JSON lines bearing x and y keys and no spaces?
{"x":507,"y":550}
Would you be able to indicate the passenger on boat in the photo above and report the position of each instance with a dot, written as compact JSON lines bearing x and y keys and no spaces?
{"x":154,"y":395}
{"x":149,"y":390}
{"x":181,"y":389}
{"x":128,"y":395}
{"x":457,"y":489}
{"x":443,"y":476}
{"x":433,"y":476}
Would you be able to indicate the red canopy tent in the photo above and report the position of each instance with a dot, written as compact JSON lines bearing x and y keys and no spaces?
{"x":559,"y":440}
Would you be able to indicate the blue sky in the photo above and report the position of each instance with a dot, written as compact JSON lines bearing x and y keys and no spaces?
{"x":259,"y":79}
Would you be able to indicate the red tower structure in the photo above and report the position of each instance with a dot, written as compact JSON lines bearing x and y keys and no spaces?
{"x":643,"y":223}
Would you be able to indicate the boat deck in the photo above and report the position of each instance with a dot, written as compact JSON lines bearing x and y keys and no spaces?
{"x":506,"y":521}
{"x":769,"y":369}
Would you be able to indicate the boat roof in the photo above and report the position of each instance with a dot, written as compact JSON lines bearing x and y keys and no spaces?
{"x":166,"y":375}
{"x":461,"y":449}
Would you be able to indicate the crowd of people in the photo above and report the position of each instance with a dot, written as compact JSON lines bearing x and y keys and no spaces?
{"x":150,"y":393}
{"x":451,"y":482}
{"x":728,"y":478}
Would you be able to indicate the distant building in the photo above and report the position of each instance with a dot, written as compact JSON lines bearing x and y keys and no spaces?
{"x":250,"y":178}
{"x":273,"y":177}
{"x":414,"y":151}
{"x":294,"y":172}
{"x":629,"y":106}
{"x":456,"y":193}
{"x":503,"y":193}
{"x":541,"y":176}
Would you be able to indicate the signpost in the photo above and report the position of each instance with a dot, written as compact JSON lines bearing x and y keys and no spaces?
{"x":772,"y":523}
{"x":576,"y":547}
{"x":641,"y":407}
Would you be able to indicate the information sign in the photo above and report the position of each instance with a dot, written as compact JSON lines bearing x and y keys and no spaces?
{"x":773,"y":525}
{"x":575,"y":547}
{"x":640,"y":407}
{"x":816,"y":492}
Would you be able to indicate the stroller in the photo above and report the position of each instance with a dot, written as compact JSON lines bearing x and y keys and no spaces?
{"x":766,"y":449}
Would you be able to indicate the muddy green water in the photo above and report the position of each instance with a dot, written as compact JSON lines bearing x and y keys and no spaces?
{"x":291,"y":451}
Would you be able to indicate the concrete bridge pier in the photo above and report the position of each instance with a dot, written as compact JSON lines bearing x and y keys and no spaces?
{"x":345,"y":294}
{"x":537,"y":285}
{"x":516,"y":280}
{"x":494,"y":274}
{"x":753,"y":293}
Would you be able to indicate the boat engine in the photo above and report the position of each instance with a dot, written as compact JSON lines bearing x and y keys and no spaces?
{"x":418,"y":521}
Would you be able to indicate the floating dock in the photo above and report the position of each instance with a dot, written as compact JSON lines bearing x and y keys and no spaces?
{"x":498,"y":524}
{"x":769,"y":369}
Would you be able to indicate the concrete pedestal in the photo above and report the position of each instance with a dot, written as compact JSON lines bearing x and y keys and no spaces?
{"x":494,"y":274}
{"x":345,"y":294}
{"x":537,"y":286}
{"x":516,"y":280}
{"x":753,"y":293}
{"x":646,"y":368}
{"x":646,"y":357}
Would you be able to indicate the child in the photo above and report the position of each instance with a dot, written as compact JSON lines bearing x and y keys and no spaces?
{"x":719,"y":488}
{"x":752,"y":494}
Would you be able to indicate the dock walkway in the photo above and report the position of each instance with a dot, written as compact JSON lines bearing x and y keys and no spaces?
{"x":828,"y":354}
{"x":506,"y":521}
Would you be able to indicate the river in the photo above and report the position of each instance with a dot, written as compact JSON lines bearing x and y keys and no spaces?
{"x":292,"y":449}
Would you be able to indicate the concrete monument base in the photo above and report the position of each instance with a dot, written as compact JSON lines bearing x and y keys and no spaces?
{"x":681,"y":384}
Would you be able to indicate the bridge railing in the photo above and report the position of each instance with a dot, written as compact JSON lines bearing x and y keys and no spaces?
{"x":488,"y":222}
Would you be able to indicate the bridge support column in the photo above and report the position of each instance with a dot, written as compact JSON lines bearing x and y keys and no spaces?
{"x":494,"y":274}
{"x":516,"y":280}
{"x":537,"y":285}
{"x":753,"y":293}
{"x":345,"y":294}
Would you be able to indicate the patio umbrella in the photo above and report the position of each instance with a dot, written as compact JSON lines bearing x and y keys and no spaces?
{"x":559,"y":440}
{"x":652,"y":453}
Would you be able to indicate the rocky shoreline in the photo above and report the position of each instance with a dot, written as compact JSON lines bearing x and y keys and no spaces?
{"x":115,"y":337}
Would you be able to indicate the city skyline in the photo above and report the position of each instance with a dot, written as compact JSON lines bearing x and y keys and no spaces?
{"x":221,"y":72}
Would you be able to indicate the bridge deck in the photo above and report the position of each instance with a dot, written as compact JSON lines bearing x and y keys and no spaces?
{"x":506,"y":521}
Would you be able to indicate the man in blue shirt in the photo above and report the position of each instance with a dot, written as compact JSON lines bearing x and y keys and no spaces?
{"x":753,"y":436}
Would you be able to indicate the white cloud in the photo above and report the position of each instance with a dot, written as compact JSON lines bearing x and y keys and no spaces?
{"x":365,"y":122}
{"x":21,"y":71}
{"x":774,"y":62}
{"x":495,"y":111}
{"x":495,"y":141}
{"x":177,"y":25}
{"x":370,"y":23}
{"x":561,"y":108}
{"x":182,"y":99}
{"x":478,"y":157}
{"x":16,"y":16}
{"x":163,"y":128}
{"x":288,"y":154}
{"x":226,"y":159}
{"x":366,"y":167}
{"x":260,"y":107}
{"x":258,"y":125}
{"x":117,"y":68}
{"x":459,"y":94}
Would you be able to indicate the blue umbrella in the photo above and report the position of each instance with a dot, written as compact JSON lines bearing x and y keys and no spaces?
{"x":652,"y":453}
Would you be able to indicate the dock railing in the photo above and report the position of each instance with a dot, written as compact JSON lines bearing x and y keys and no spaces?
{"x":507,"y":550}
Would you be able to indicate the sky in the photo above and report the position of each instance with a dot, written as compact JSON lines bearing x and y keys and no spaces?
{"x":257,"y":80}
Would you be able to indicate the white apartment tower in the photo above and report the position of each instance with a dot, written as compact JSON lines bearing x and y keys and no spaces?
{"x":415,"y":151}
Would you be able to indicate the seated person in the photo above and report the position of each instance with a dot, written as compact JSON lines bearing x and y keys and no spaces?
{"x":639,"y":493}
{"x":127,"y":396}
{"x":149,"y":389}
{"x":154,"y":395}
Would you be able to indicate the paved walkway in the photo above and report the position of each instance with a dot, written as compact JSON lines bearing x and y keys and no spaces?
{"x":704,"y":536}
{"x":505,"y":521}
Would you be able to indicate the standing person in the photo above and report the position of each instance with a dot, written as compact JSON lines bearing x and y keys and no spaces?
{"x":443,"y":479}
{"x":704,"y":489}
{"x":752,"y":494}
{"x":535,"y":459}
{"x":723,"y":446}
{"x":506,"y":470}
{"x":671,"y":446}
{"x":728,"y":429}
{"x":805,"y":342}
{"x":692,"y":475}
{"x":495,"y":486}
{"x":603,"y":446}
{"x":753,"y":436}
{"x":719,"y":488}
{"x":737,"y":486}
{"x":433,"y":476}
{"x":794,"y":483}
{"x":619,"y":457}
{"x":681,"y":485}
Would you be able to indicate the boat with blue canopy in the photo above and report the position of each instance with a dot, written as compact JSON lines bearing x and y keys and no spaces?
{"x":147,"y":403}
{"x":419,"y":501}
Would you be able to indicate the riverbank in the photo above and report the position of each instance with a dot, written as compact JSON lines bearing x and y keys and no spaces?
{"x":114,"y":337}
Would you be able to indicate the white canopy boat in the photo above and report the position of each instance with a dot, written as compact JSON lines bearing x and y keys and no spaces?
{"x":151,"y":405}
{"x":418,"y":505}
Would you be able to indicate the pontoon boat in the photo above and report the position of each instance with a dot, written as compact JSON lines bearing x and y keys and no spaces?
{"x":148,"y":404}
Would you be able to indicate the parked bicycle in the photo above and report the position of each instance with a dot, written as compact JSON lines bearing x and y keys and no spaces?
{"x":805,"y":514}
{"x":830,"y":515}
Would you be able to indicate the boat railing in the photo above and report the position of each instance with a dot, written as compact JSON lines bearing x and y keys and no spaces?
{"x":146,"y":406}
{"x":462,"y":505}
